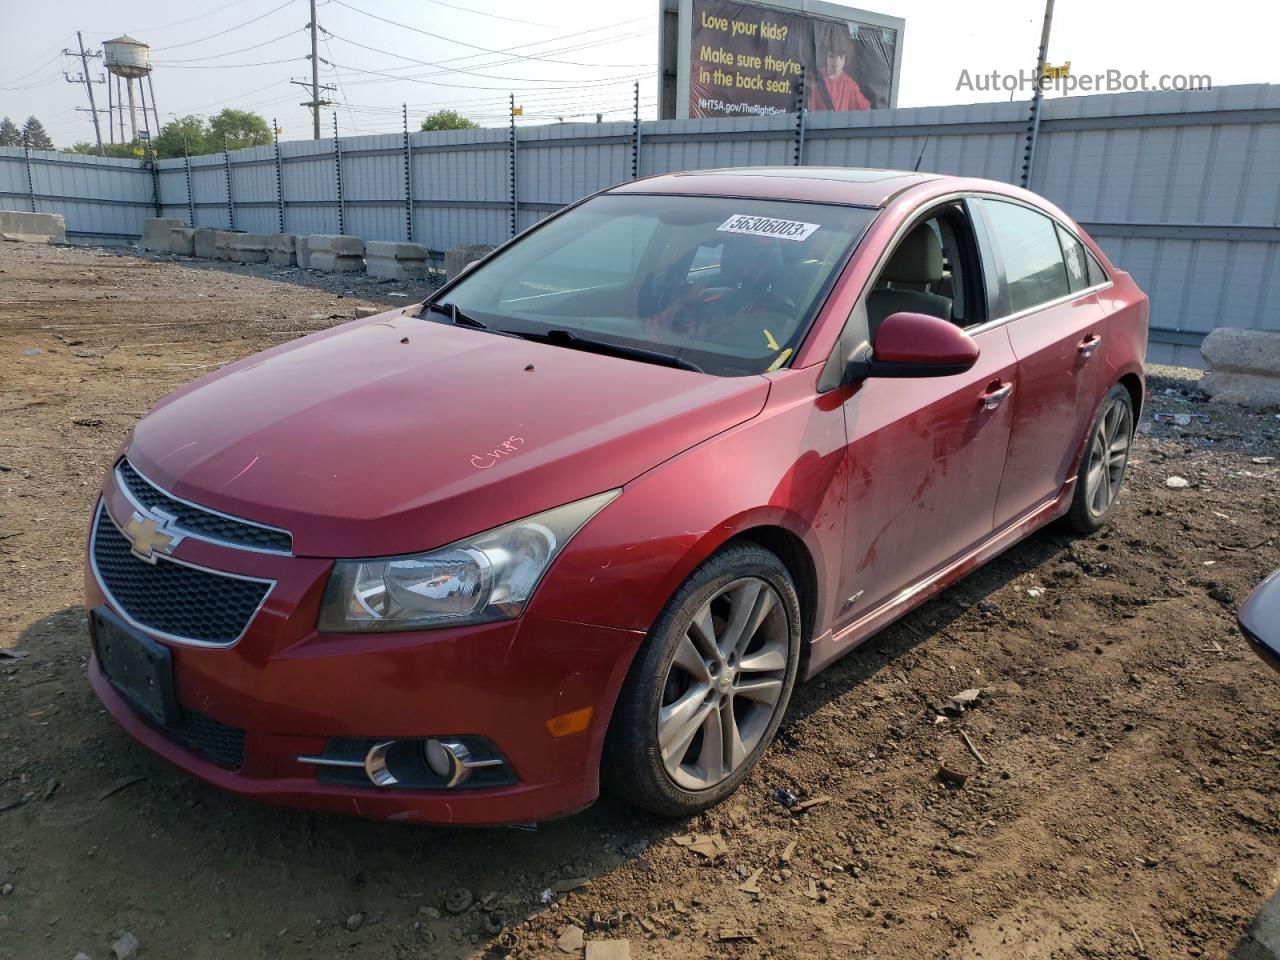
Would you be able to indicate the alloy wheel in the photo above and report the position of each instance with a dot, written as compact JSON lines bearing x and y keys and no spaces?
{"x":724,"y":684}
{"x":1108,"y":456}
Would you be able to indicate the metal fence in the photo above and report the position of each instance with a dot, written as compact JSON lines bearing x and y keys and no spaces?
{"x":1181,"y":189}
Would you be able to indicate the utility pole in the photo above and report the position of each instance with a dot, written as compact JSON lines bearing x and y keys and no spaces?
{"x":1037,"y":98}
{"x":88,"y":85}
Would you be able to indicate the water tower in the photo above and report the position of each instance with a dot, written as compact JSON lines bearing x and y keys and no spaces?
{"x":129,"y":60}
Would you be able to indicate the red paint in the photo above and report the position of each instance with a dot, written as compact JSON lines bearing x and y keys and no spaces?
{"x":362,"y":445}
{"x":918,"y":338}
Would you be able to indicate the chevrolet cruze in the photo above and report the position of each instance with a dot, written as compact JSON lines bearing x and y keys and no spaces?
{"x":589,"y":512}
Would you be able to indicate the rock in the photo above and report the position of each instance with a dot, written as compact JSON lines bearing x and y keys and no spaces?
{"x":608,"y":950}
{"x":355,"y":922}
{"x":32,"y":352}
{"x":81,"y":955}
{"x":964,"y":700}
{"x":703,"y":844}
{"x":951,"y":775}
{"x":571,"y":939}
{"x":459,"y":900}
{"x":569,"y":885}
{"x":125,"y":947}
{"x":6,"y":889}
{"x":1177,"y":483}
{"x":362,"y":312}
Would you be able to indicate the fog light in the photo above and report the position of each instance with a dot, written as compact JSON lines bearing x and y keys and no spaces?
{"x":439,"y":759}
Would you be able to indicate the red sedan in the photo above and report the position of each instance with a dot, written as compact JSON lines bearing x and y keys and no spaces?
{"x":595,"y":507}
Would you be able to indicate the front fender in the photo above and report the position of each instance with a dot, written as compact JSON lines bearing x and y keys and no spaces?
{"x":785,"y":468}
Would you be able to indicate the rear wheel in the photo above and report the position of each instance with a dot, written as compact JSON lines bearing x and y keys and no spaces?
{"x":708,"y":687}
{"x":1105,"y":458}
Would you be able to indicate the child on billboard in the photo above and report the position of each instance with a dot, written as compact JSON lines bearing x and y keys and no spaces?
{"x":832,"y":87}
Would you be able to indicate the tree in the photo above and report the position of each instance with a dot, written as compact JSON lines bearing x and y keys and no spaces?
{"x":10,"y":135}
{"x":37,"y":138}
{"x":127,"y":151}
{"x":237,"y":128}
{"x":192,"y":131}
{"x":448,"y":120}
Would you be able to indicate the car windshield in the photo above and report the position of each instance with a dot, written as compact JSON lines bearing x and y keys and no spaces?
{"x":729,"y":286}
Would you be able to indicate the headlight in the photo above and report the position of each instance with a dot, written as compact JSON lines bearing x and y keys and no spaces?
{"x":486,"y":577}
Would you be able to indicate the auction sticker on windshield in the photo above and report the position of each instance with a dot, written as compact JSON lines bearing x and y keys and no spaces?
{"x":768,"y":227}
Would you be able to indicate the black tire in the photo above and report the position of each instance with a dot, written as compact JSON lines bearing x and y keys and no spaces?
{"x":1085,"y":516}
{"x":632,"y":767}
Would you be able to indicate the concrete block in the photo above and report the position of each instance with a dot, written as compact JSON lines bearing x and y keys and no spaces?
{"x":182,"y":241}
{"x":394,"y":250}
{"x":281,"y":249}
{"x":205,"y":242}
{"x":336,"y":243}
{"x":33,"y":227}
{"x":335,"y":262}
{"x":302,"y":250}
{"x":1244,"y":389}
{"x":457,"y":258}
{"x":1244,"y":366}
{"x":155,"y":232}
{"x":241,"y":247}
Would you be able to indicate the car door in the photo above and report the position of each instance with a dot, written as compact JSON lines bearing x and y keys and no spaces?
{"x":1056,"y":325}
{"x":926,"y":455}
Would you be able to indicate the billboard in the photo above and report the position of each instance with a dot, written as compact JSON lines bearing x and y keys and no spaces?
{"x":725,"y":58}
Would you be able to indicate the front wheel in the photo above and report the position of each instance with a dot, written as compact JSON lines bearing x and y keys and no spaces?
{"x":1103,"y":465}
{"x":708,"y":687}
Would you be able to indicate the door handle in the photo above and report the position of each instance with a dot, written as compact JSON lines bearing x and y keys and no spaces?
{"x":995,"y":395}
{"x":1088,"y":345}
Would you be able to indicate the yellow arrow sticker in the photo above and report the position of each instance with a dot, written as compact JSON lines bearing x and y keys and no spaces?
{"x":779,"y":360}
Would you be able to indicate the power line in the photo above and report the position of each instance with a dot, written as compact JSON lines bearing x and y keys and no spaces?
{"x":220,"y":66}
{"x":177,"y":23}
{"x":476,"y":73}
{"x":36,"y":70}
{"x":437,"y":36}
{"x":472,"y":86}
{"x":238,"y":26}
{"x":482,"y":13}
{"x":227,"y":53}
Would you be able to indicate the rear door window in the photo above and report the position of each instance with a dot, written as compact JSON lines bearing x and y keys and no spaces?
{"x":1027,"y":244}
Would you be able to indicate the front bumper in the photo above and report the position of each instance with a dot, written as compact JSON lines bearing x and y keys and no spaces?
{"x":291,"y":690}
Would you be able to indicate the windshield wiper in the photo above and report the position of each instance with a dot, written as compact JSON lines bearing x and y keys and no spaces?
{"x":459,"y":318}
{"x":567,"y":338}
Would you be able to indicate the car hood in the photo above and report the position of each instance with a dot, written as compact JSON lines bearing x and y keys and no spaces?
{"x":395,"y":434}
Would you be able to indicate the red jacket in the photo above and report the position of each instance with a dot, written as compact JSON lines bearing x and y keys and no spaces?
{"x":845,"y":94}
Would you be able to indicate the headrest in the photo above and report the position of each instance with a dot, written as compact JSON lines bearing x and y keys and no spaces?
{"x":751,"y":261}
{"x":918,"y":258}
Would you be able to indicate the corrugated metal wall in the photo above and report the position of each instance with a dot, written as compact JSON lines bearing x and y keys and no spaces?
{"x":1180,"y":189}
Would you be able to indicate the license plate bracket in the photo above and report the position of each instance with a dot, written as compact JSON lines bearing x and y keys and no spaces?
{"x":140,"y":669}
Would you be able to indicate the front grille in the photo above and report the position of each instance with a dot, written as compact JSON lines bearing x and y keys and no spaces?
{"x":214,"y":740}
{"x":173,"y":599}
{"x":199,"y":522}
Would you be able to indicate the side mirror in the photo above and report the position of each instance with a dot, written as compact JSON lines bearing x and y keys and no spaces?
{"x":917,"y":345}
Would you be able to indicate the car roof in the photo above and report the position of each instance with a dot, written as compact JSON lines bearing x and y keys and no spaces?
{"x":857,"y":186}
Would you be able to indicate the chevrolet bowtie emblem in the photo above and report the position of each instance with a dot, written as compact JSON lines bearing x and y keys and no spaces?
{"x":148,"y":536}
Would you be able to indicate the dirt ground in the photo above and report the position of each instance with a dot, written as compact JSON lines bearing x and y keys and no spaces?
{"x":1126,"y":805}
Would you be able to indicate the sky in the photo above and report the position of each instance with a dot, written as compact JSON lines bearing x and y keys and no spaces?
{"x":570,"y":59}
